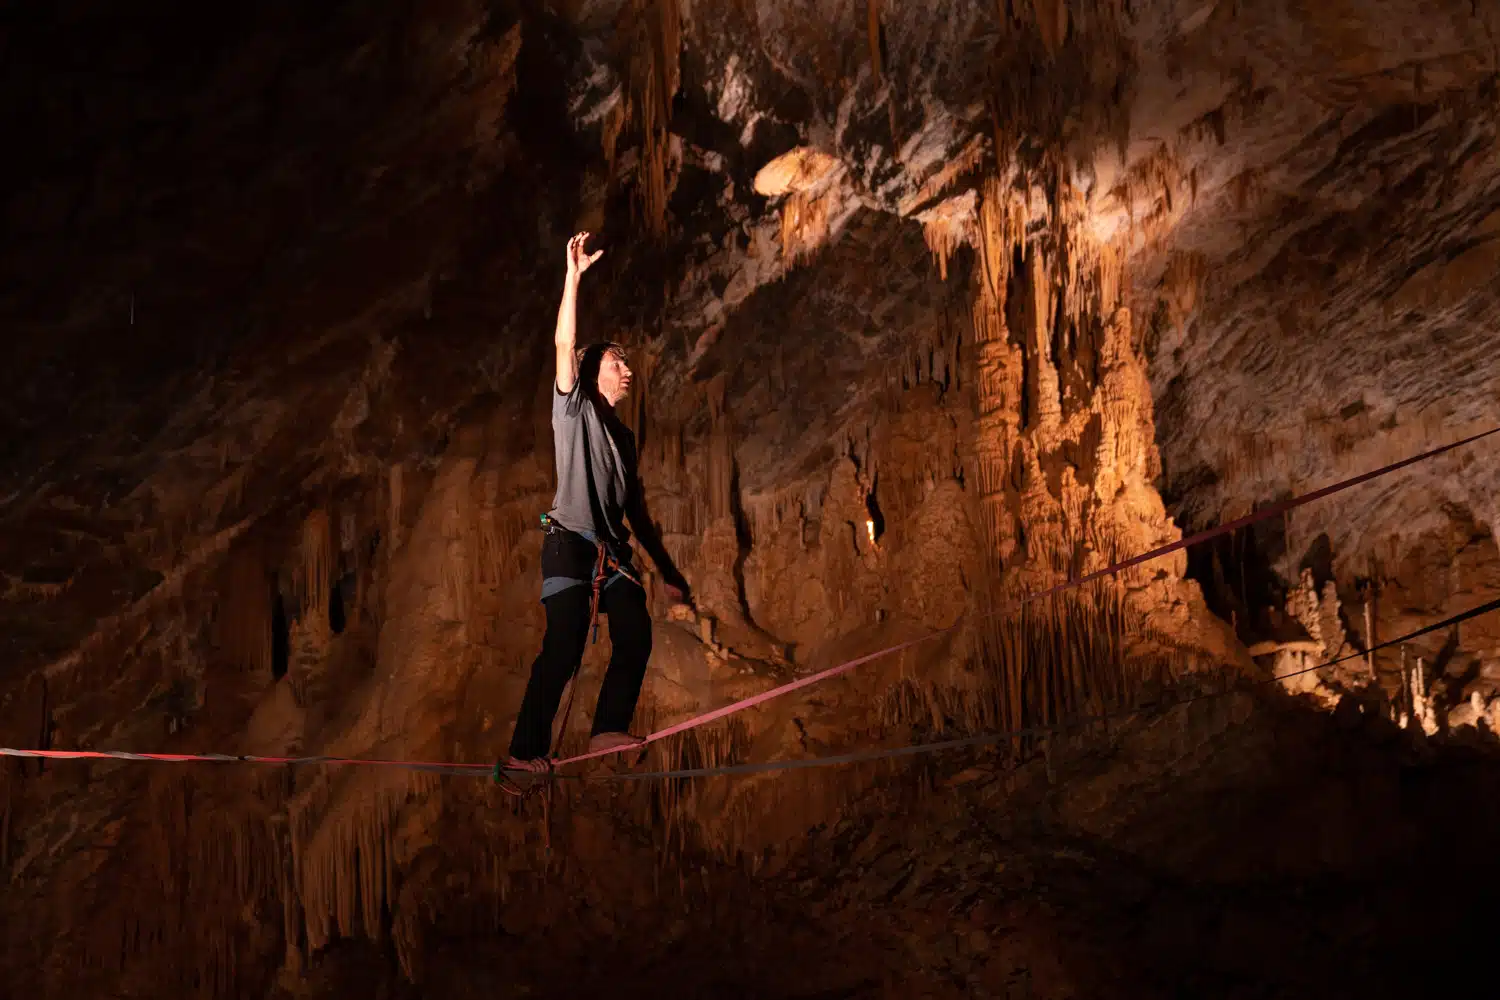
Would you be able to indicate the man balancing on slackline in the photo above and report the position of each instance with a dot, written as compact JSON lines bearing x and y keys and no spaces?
{"x":586,"y":555}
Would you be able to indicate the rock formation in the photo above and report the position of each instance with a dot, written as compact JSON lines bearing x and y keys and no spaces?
{"x":932,"y":307}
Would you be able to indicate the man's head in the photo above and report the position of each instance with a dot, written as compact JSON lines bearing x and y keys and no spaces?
{"x":604,"y":367}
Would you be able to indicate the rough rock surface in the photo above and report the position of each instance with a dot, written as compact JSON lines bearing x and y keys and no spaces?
{"x":931,"y":305}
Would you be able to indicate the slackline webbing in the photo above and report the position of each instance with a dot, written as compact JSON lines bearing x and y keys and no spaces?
{"x":1272,"y":510}
{"x":984,"y":739}
{"x":1280,"y":507}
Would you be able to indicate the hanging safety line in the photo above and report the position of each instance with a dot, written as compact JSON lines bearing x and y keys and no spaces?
{"x":1262,"y":514}
{"x":985,"y":739}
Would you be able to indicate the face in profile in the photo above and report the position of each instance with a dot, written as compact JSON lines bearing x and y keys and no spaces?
{"x":614,"y":377}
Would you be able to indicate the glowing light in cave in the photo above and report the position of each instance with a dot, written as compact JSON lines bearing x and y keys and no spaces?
{"x":870,"y":529}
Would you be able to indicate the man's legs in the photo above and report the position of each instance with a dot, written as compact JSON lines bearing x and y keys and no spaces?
{"x":630,"y":642}
{"x":562,"y":651}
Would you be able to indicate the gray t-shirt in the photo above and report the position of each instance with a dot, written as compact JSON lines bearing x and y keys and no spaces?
{"x":596,"y":466}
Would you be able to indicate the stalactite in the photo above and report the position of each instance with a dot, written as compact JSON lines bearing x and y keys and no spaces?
{"x":1156,"y":181}
{"x":720,"y":453}
{"x":344,"y":858}
{"x":1052,"y":662}
{"x":243,"y":623}
{"x":804,"y":223}
{"x":614,"y":123}
{"x":180,"y":885}
{"x":651,"y":31}
{"x":395,"y":506}
{"x":1181,"y":285}
{"x":1046,"y":401}
{"x":7,"y":803}
{"x":1001,"y":228}
{"x":1044,"y":513}
{"x":638,"y":403}
{"x":1052,"y":22}
{"x":314,"y":575}
{"x":484,"y":555}
{"x":944,"y":236}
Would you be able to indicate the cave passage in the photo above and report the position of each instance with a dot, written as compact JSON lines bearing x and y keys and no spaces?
{"x":931,"y":308}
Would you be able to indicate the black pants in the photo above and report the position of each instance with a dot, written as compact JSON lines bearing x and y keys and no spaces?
{"x":562,"y":650}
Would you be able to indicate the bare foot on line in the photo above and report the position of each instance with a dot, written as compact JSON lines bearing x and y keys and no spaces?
{"x":614,"y":741}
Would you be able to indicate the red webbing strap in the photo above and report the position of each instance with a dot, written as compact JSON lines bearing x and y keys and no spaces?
{"x":1078,"y":722}
{"x":765,"y":696}
{"x":786,"y":765}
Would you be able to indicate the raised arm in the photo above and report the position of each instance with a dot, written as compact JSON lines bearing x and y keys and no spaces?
{"x":566,"y":337}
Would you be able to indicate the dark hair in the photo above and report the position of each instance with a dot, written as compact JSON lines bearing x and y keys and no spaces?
{"x":589,"y":360}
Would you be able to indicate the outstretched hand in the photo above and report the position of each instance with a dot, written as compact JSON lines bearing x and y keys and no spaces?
{"x":580,"y":260}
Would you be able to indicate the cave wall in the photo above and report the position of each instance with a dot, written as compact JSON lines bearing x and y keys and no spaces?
{"x":915,"y":333}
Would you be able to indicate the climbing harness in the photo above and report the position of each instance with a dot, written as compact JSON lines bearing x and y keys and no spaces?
{"x":501,"y":774}
{"x":605,"y":566}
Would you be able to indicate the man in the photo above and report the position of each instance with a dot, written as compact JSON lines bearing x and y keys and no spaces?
{"x":586,"y":556}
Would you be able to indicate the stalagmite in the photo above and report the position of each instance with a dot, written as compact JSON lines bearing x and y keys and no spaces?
{"x":1424,"y":711}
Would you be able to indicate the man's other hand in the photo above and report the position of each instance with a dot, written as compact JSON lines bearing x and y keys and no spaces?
{"x":679,"y":607}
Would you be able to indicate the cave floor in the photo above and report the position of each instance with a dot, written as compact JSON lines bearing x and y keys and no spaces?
{"x":1295,"y":854}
